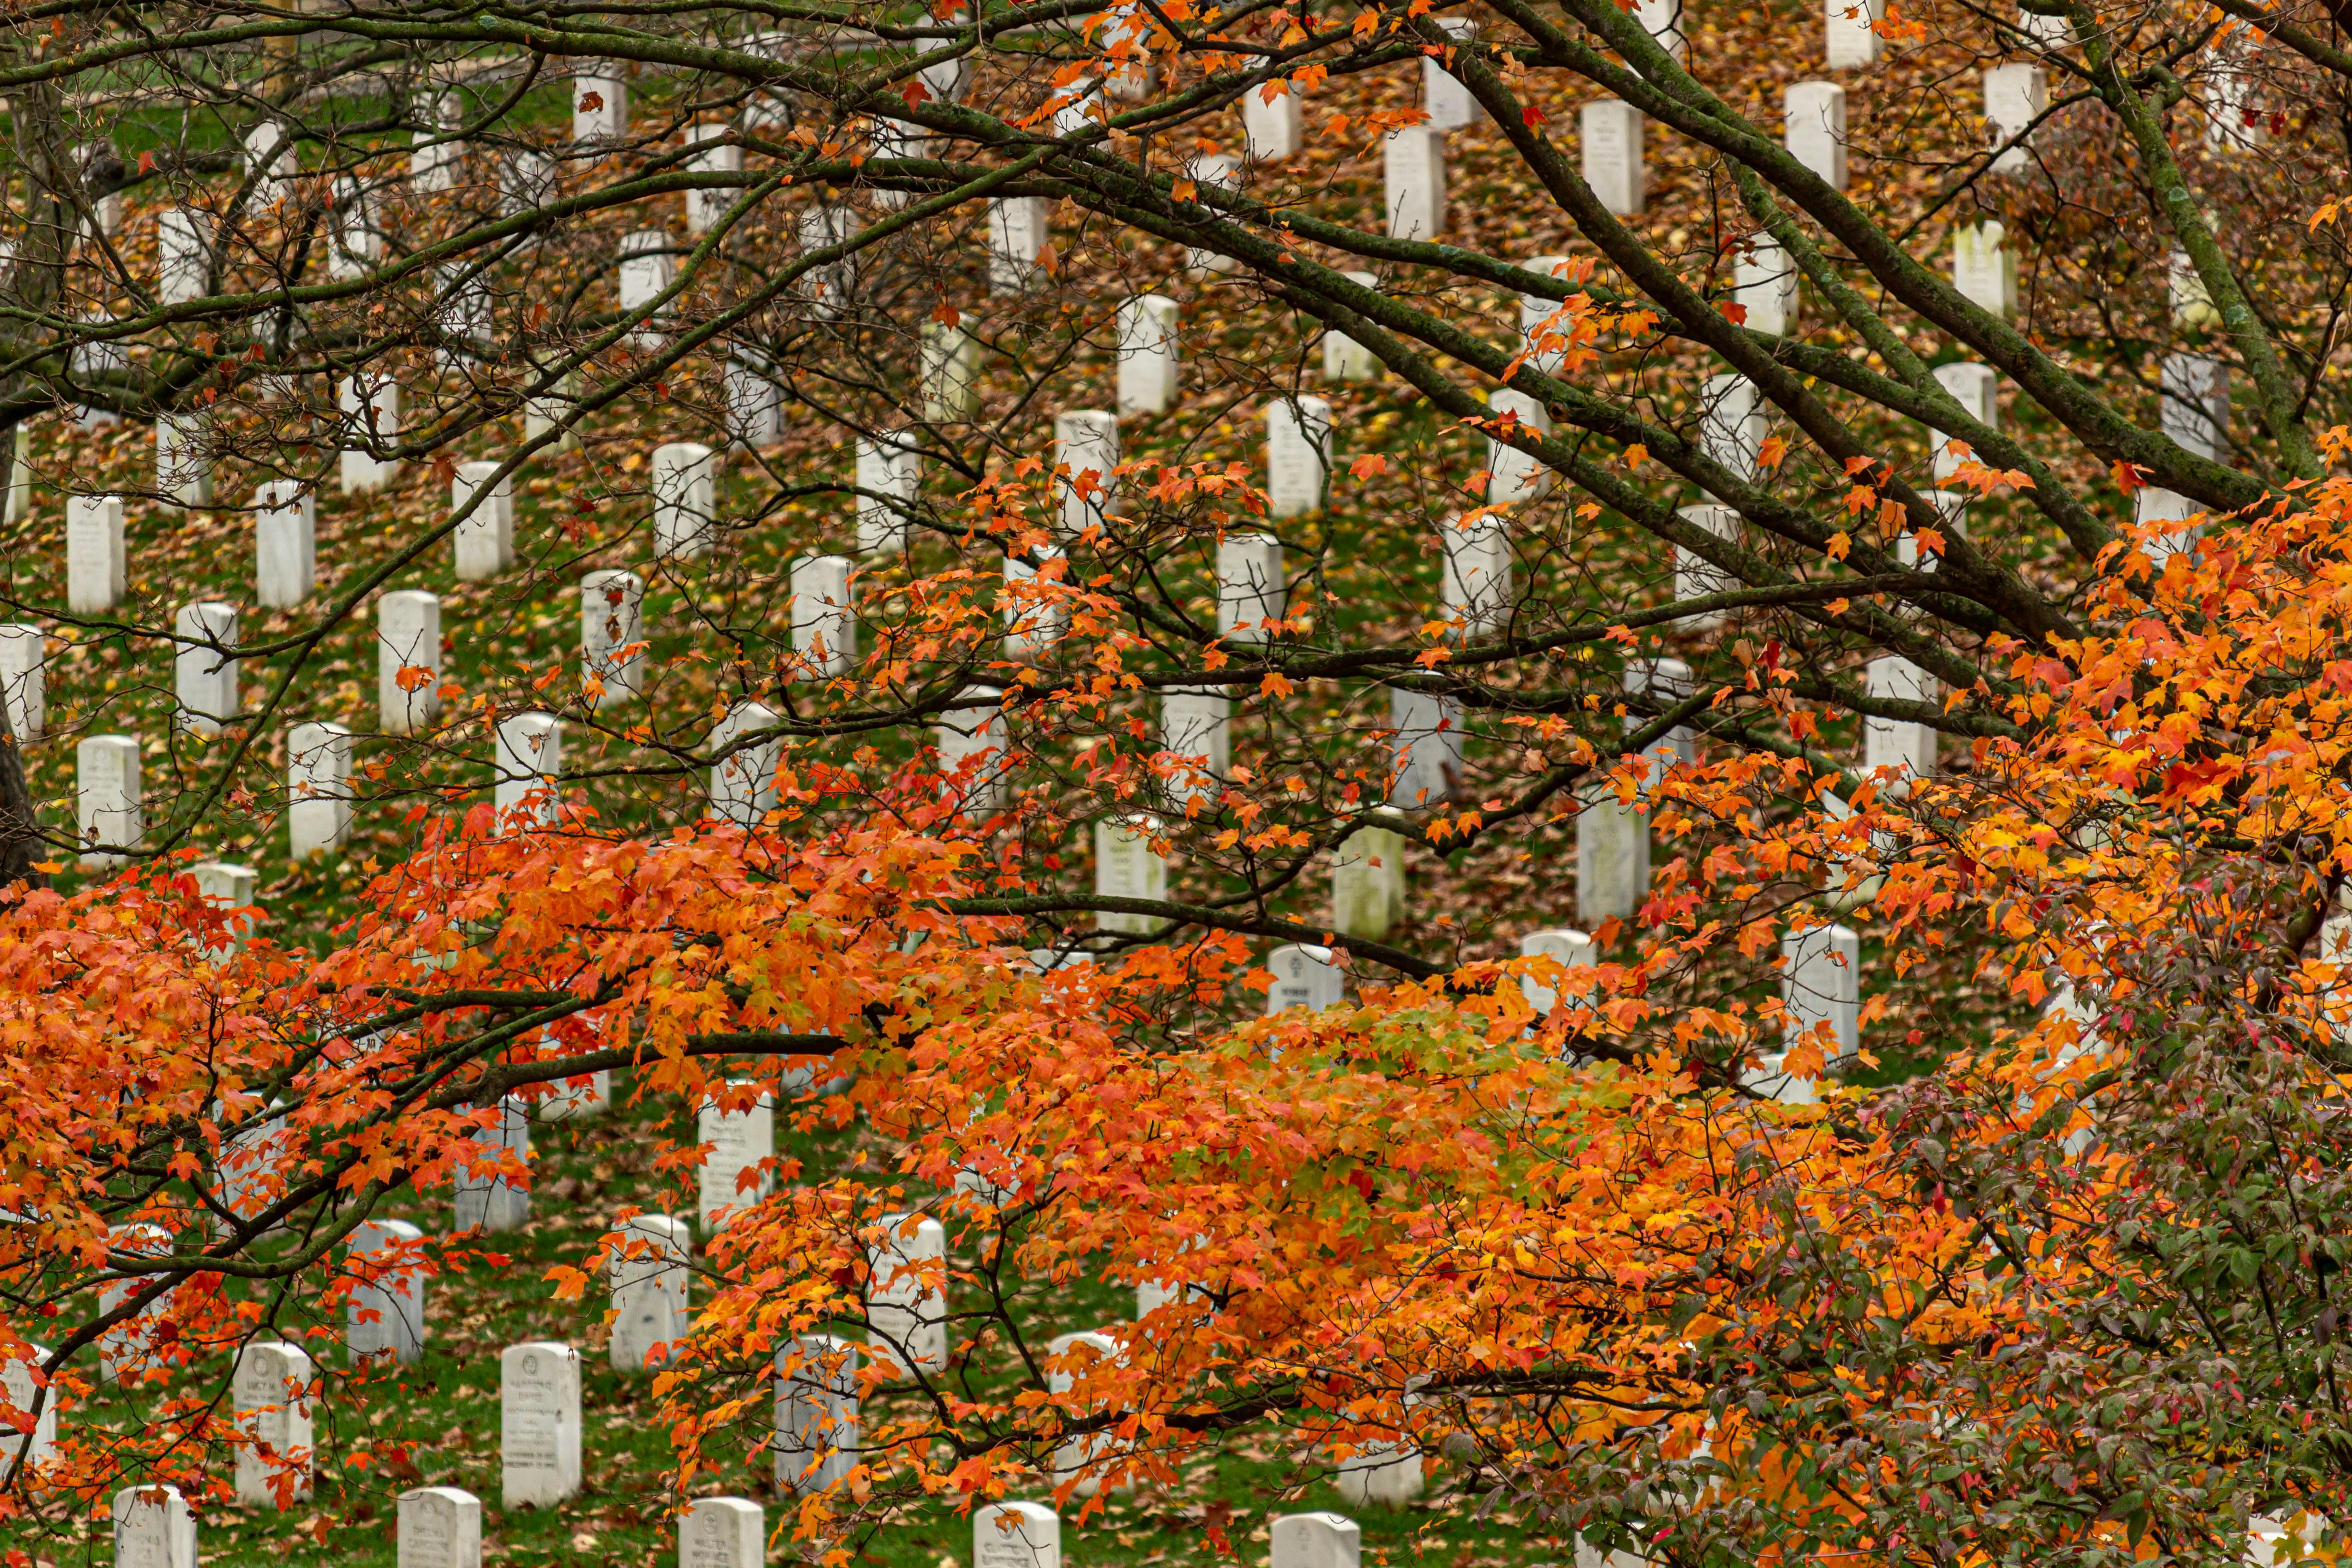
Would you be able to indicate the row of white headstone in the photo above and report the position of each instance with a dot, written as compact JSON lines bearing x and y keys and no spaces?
{"x":441,"y":1526}
{"x":1821,"y":985}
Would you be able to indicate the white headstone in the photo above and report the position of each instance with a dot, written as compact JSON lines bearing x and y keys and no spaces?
{"x":372,"y":406}
{"x":946,"y":79}
{"x":600,"y":100}
{"x":828,"y":287}
{"x":1069,"y":1357}
{"x":1017,"y":234}
{"x":1086,"y":465}
{"x":705,"y":206}
{"x":439,"y":1527}
{"x":2233,"y":119}
{"x":528,"y":764}
{"x":97,"y":567}
{"x":1899,"y":743}
{"x":269,"y":163}
{"x":1731,"y":424}
{"x":1367,"y":881}
{"x":1127,"y":867}
{"x":824,"y":621}
{"x":272,"y":1391}
{"x":1612,"y":855}
{"x":1304,"y":977}
{"x":950,"y":363}
{"x":646,"y":272}
{"x":1984,"y":269}
{"x":581,"y":1098}
{"x":1413,"y":168}
{"x":722,"y":1532}
{"x":1270,"y":126}
{"x":2192,"y":302}
{"x":1252,"y":591}
{"x":1316,"y":1541}
{"x":183,"y":471}
{"x":1196,"y":722}
{"x":889,"y":477}
{"x":284,"y":543}
{"x":686,"y":505}
{"x":463,"y":313}
{"x":649,"y":1273}
{"x":1220,"y":171}
{"x":2048,"y":34}
{"x":741,"y":1141}
{"x":1385,"y":1472}
{"x":1695,"y":576}
{"x":24,"y":687}
{"x":1035,"y":619}
{"x":892,"y":139}
{"x":1017,"y":1535}
{"x":1975,"y":388}
{"x":1815,"y":130}
{"x":1764,"y":285}
{"x":484,"y":538}
{"x":1952,"y":518}
{"x":744,"y":778}
{"x":755,"y":408}
{"x":1821,"y":982}
{"x":1771,"y":1079}
{"x":184,"y":251}
{"x":2156,"y":507}
{"x":255,"y":1161}
{"x":2015,"y":96}
{"x":611,"y":637}
{"x":1543,"y":326}
{"x":37,"y":1445}
{"x":1514,"y":476}
{"x":1662,"y":20}
{"x":539,"y":1424}
{"x":409,"y":662}
{"x":96,"y":363}
{"x":1568,"y":949}
{"x":1078,"y":108}
{"x":204,"y":667}
{"x":1426,"y":755}
{"x":129,"y":1349}
{"x":1147,"y":356}
{"x":318,"y":788}
{"x":1443,"y":97}
{"x":388,"y":1315}
{"x":484,"y":1197}
{"x":433,"y":163}
{"x":906,"y":1301}
{"x":1124,"y":38}
{"x":1345,"y":359}
{"x":1613,"y":164}
{"x":108,"y":809}
{"x":354,"y":233}
{"x":816,"y":1413}
{"x":975,"y":729}
{"x":1298,"y":455}
{"x":2194,"y":404}
{"x":1476,"y":573}
{"x":1853,"y":43}
{"x":1663,"y":683}
{"x":154,"y":1528}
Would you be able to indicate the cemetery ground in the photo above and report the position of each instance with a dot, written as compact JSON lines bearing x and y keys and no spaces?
{"x":438,"y":1424}
{"x":1468,"y":904}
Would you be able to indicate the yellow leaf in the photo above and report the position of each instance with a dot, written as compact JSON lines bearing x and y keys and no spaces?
{"x":1839,"y":545}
